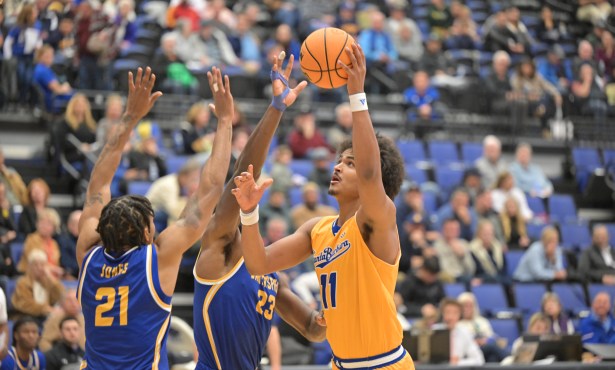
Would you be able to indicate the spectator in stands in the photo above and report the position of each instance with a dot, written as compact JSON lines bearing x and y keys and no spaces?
{"x":246,"y":45}
{"x":380,"y":53}
{"x":499,"y":91}
{"x":67,"y":241}
{"x":47,"y":224}
{"x":38,"y":290}
{"x":68,"y":307}
{"x":589,"y":95}
{"x":92,"y":29}
{"x":537,"y":325}
{"x":170,"y":193}
{"x":306,"y":135}
{"x":480,"y":328}
{"x":7,"y":234}
{"x":45,"y":78}
{"x":454,"y":254}
{"x":497,"y":36}
{"x":113,"y":115}
{"x":463,"y":33}
{"x":238,"y":142}
{"x":595,"y":36}
{"x":321,"y":172}
{"x":25,"y":343}
{"x":78,"y":124}
{"x":64,"y":43}
{"x":599,"y":326}
{"x":145,"y":162}
{"x":67,"y":352}
{"x":281,"y":173}
{"x":414,"y":244}
{"x":342,"y":129}
{"x":605,"y":55}
{"x":275,"y":229}
{"x":217,"y":11}
{"x":346,"y":14}
{"x":491,"y":164}
{"x":16,"y":191}
{"x":555,"y":69}
{"x":38,"y":198}
{"x":171,"y":71}
{"x":513,"y":225}
{"x":434,"y":61}
{"x":275,"y":208}
{"x":420,"y":289}
{"x":20,"y":44}
{"x":406,"y":35}
{"x":423,"y":99}
{"x":529,"y":177}
{"x":550,"y":31}
{"x":520,"y":41}
{"x":459,"y":209}
{"x":593,"y":11}
{"x":484,"y":211}
{"x":464,"y":350}
{"x":551,"y":307}
{"x":284,"y":36}
{"x":539,"y":94}
{"x":209,"y":47}
{"x":199,"y":137}
{"x":439,"y":18}
{"x":471,"y":183}
{"x":310,"y":207}
{"x":585,"y":55}
{"x":597,"y":263}
{"x":543,"y":260}
{"x":505,"y":188}
{"x":184,"y":13}
{"x":488,"y":254}
{"x":125,"y":26}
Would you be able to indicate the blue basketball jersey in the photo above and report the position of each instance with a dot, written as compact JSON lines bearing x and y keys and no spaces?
{"x":126,"y":312}
{"x":232,"y":318}
{"x":7,"y":363}
{"x":36,"y":361}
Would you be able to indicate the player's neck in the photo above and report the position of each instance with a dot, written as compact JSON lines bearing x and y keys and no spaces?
{"x":23,"y":353}
{"x":347,"y":210}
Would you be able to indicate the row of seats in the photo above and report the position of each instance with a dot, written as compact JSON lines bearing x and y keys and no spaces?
{"x":587,"y":160}
{"x":441,"y":153}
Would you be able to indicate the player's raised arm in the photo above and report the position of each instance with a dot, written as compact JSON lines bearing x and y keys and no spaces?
{"x":255,"y":152}
{"x":283,"y":254}
{"x":376,"y":214}
{"x":180,"y":236}
{"x":140,"y":101}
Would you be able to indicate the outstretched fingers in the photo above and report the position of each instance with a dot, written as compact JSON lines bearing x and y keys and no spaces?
{"x":289,"y":67}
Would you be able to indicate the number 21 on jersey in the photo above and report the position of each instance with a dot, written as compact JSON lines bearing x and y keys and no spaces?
{"x":328,"y":286}
{"x":109,"y":294}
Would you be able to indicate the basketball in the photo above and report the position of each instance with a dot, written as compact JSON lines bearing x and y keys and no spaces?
{"x":319,"y":55}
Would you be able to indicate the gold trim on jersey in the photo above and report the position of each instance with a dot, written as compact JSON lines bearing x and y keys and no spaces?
{"x":163,"y":330}
{"x":224,"y":278}
{"x":84,"y":365}
{"x":83,"y":273}
{"x":208,"y":298}
{"x":150,"y":281}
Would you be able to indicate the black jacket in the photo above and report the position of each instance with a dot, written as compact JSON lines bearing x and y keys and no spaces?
{"x":592,"y":266}
{"x":416,"y":293}
{"x":62,"y":355}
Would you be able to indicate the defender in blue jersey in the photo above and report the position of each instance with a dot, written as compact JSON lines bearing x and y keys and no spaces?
{"x":126,"y":278}
{"x":24,"y":351}
{"x":232,"y":309}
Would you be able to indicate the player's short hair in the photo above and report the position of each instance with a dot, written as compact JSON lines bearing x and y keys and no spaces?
{"x":391,"y":164}
{"x":21,"y":322}
{"x":123,"y":222}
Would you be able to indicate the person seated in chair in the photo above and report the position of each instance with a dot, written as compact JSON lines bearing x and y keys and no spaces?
{"x":45,"y":78}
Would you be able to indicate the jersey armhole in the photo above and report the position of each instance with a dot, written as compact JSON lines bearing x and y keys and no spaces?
{"x":153,"y":282}
{"x":371,"y":254}
{"x":83,"y":271}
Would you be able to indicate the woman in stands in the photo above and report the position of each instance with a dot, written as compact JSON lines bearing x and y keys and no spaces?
{"x":199,"y":135}
{"x":38,"y":198}
{"x":552,"y":308}
{"x":79,"y":123}
{"x":488,"y":255}
{"x":514,"y":225}
{"x":505,"y":188}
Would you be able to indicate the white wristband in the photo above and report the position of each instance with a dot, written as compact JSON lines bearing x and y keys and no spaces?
{"x":248,"y":219}
{"x":358,"y":102}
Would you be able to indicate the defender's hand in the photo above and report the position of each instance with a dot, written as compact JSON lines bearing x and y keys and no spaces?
{"x":223,"y":107}
{"x":278,"y":86}
{"x":140,"y":97}
{"x":247,"y":192}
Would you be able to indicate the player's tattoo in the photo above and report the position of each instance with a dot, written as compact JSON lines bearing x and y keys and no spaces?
{"x":94,"y":199}
{"x":191,"y":213}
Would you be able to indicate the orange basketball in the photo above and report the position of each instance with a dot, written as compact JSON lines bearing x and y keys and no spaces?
{"x":319,"y":54}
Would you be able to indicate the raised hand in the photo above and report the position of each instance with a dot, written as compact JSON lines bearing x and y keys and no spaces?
{"x":356,"y":74}
{"x":140,"y":97}
{"x":280,"y":85}
{"x":247,"y":192}
{"x":223,"y":107}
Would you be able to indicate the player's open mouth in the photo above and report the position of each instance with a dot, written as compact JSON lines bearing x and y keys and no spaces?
{"x":335,"y":179}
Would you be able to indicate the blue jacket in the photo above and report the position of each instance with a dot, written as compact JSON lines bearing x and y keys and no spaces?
{"x":593,"y":331}
{"x":552,"y":73}
{"x":534,"y":265}
{"x":376,"y":43}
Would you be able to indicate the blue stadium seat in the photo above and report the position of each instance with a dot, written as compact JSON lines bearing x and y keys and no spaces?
{"x":528,"y":297}
{"x":506,"y":328}
{"x":301,"y":167}
{"x":537,"y":205}
{"x":535,"y":229}
{"x":585,"y":160}
{"x":10,"y":289}
{"x":594,"y":289}
{"x":430,"y":202}
{"x":295,"y":196}
{"x":448,"y":179}
{"x":139,"y":187}
{"x":513,"y":257}
{"x":70,"y":284}
{"x":412,"y":151}
{"x":16,"y":251}
{"x":609,"y":155}
{"x":175,"y":162}
{"x":415,"y":174}
{"x":491,"y":298}
{"x":420,"y":13}
{"x":470,"y":152}
{"x":443,"y":153}
{"x":453,"y":290}
{"x":572,"y":296}
{"x":562,"y":208}
{"x":575,"y":236}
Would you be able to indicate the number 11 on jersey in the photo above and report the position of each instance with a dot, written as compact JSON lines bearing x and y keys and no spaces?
{"x":328,"y":285}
